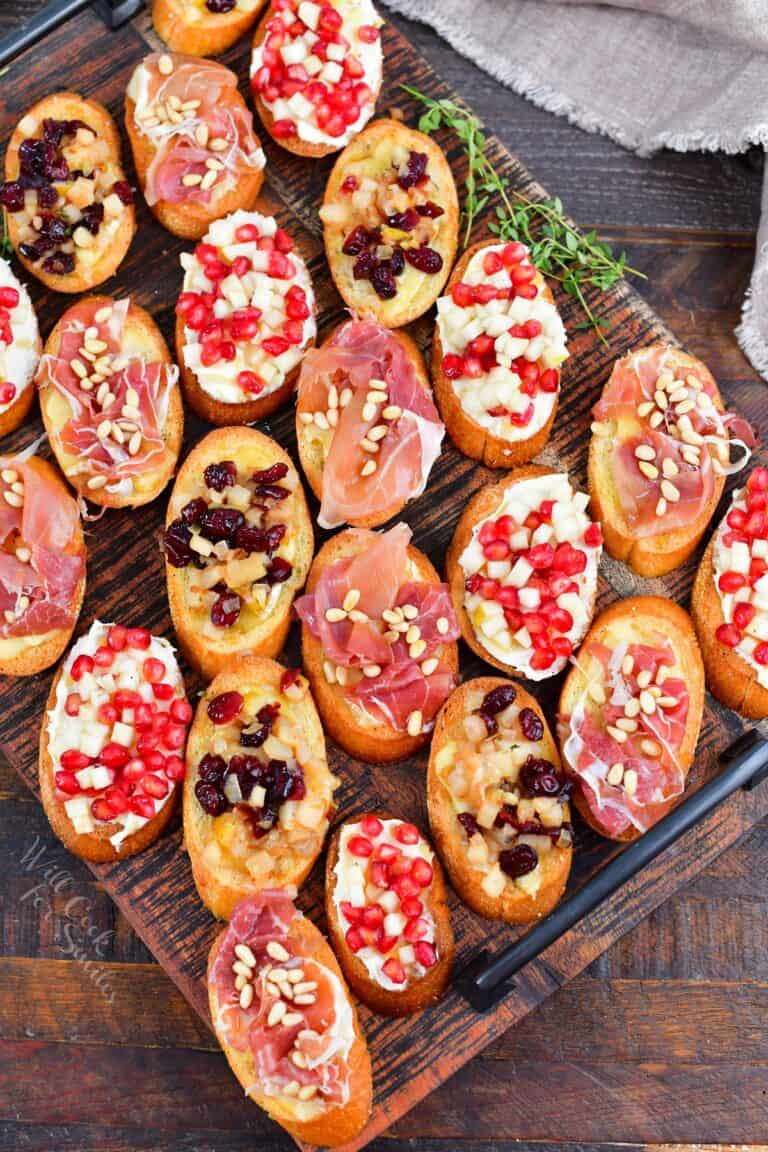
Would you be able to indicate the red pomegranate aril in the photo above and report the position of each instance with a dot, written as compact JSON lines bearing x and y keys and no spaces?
{"x":399,"y":866}
{"x":175,"y":768}
{"x":350,"y":912}
{"x":421,"y":872}
{"x":174,"y":737}
{"x":453,"y":366}
{"x":373,"y":916}
{"x":386,"y":944}
{"x":107,"y":713}
{"x":155,"y":786}
{"x":405,"y":886}
{"x":513,"y":253}
{"x":7,"y":392}
{"x":730,"y":582}
{"x":280,"y":267}
{"x":760,"y":653}
{"x":415,"y":929}
{"x":360,"y":846}
{"x":74,"y":760}
{"x":526,"y":291}
{"x":116,"y":799}
{"x":114,"y":755}
{"x":541,"y":556}
{"x":387,"y":853}
{"x":9,"y":297}
{"x":743,"y":614}
{"x":67,"y":782}
{"x":135,"y":769}
{"x":72,"y":704}
{"x":593,"y":536}
{"x":138,"y":638}
{"x":103,"y":657}
{"x":379,"y":874}
{"x":368,"y":33}
{"x":146,"y":742}
{"x":142,"y":806}
{"x":275,"y":345}
{"x":153,"y":670}
{"x":154,"y":761}
{"x":354,"y":939}
{"x":411,"y":907}
{"x":492,"y":263}
{"x":163,"y":691}
{"x":542,"y":659}
{"x":407,"y":834}
{"x":181,"y":711}
{"x":102,"y":811}
{"x":371,"y":826}
{"x":142,"y":716}
{"x":117,"y":637}
{"x":250,"y":382}
{"x":758,"y":480}
{"x":241,"y":266}
{"x":425,"y":953}
{"x":126,"y":698}
{"x":496,"y":550}
{"x":562,"y":646}
{"x":462,"y":295}
{"x":394,"y":971}
{"x":729,"y":635}
{"x":245,"y":234}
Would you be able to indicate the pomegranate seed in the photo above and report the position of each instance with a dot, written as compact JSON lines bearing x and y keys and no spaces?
{"x":163,"y":691}
{"x":142,"y":806}
{"x":386,"y":944}
{"x":174,"y":737}
{"x":138,"y":638}
{"x":407,"y":834}
{"x":368,"y":33}
{"x":353,"y":937}
{"x":101,"y":810}
{"x":730,"y":582}
{"x":736,"y":518}
{"x":549,"y":380}
{"x":350,"y":913}
{"x":114,"y":755}
{"x":371,"y":826}
{"x":425,"y":953}
{"x":116,"y":799}
{"x":154,"y":761}
{"x":526,"y":291}
{"x":181,"y":711}
{"x":562,"y":646}
{"x":116,"y":637}
{"x":250,"y":382}
{"x":421,"y":871}
{"x":492,"y":263}
{"x":373,"y":916}
{"x":387,"y":853}
{"x":146,"y":742}
{"x":758,"y":481}
{"x":72,"y":704}
{"x":103,"y":657}
{"x":126,"y":698}
{"x":67,"y":782}
{"x":282,"y":240}
{"x":453,"y":366}
{"x":135,"y":769}
{"x":7,"y":390}
{"x":542,"y":659}
{"x":155,"y":786}
{"x":593,"y":536}
{"x":360,"y":846}
{"x":107,"y":713}
{"x":411,"y":907}
{"x":246,"y":233}
{"x":513,"y":253}
{"x":400,"y":866}
{"x":406,"y":887}
{"x":761,"y":653}
{"x":74,"y":760}
{"x":275,"y":345}
{"x":728,"y":635}
{"x":143,"y":716}
{"x":743,"y":614}
{"x":153,"y":670}
{"x":541,"y":556}
{"x":9,"y":297}
{"x":175,"y":768}
{"x":394,"y":971}
{"x":415,"y":929}
{"x":462,"y":295}
{"x":379,"y":874}
{"x":241,"y":266}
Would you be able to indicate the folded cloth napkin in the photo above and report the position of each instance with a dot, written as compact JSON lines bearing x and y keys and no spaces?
{"x":690,"y":75}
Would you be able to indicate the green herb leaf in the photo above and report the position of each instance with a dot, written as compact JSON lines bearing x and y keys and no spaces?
{"x":6,"y":248}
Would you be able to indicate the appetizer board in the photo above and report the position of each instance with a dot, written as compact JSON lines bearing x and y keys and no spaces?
{"x":155,"y":890}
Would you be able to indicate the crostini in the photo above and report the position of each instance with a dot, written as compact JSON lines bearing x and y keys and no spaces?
{"x":110,"y":401}
{"x":112,"y":742}
{"x":287,"y":1024}
{"x":70,"y":209}
{"x":387,"y":913}
{"x":196,"y":154}
{"x":378,"y":642}
{"x":42,"y":565}
{"x":522,"y":568}
{"x":203,"y":27}
{"x":629,"y":715}
{"x":238,"y":545}
{"x":20,"y":348}
{"x":498,"y":802}
{"x":367,"y":428}
{"x":496,"y":355}
{"x":658,"y":456}
{"x":316,"y":72}
{"x":729,"y":604}
{"x":258,"y":793}
{"x":390,"y":223}
{"x":245,"y":317}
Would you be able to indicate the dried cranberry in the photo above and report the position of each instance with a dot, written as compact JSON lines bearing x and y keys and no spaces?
{"x":417,"y":166}
{"x":271,"y":492}
{"x":219,"y":6}
{"x":251,"y":539}
{"x":224,"y":707}
{"x":271,"y":475}
{"x":123,"y":191}
{"x":383,"y":281}
{"x":211,"y":768}
{"x":193,"y":511}
{"x":404,"y":221}
{"x":430,"y":209}
{"x":268,"y":713}
{"x":92,"y":217}
{"x":425,"y":259}
{"x":47,"y":196}
{"x":491,"y":723}
{"x":61,"y":263}
{"x":531,"y":725}
{"x":397,"y":262}
{"x":499,"y":698}
{"x":539,"y":777}
{"x":54,"y":229}
{"x":285,"y":782}
{"x":29,"y":251}
{"x":518,"y":861}
{"x":212,"y":799}
{"x":274,"y":536}
{"x":356,"y":242}
{"x":12,"y":196}
{"x":279,"y":571}
{"x":254,"y":737}
{"x":221,"y":523}
{"x":364,"y":265}
{"x":225,"y":609}
{"x":468,"y":823}
{"x":220,"y":476}
{"x":176,"y":544}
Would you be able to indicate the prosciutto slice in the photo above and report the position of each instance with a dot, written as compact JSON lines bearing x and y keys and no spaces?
{"x":178,"y":152}
{"x":379,"y":571}
{"x":45,"y":525}
{"x":360,"y":353}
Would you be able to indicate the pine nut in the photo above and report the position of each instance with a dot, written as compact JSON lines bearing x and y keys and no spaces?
{"x":277,"y":952}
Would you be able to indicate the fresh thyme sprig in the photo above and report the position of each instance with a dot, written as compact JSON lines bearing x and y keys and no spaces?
{"x":557,"y":248}
{"x":6,"y":248}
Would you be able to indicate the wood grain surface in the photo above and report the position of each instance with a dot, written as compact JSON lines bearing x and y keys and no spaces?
{"x":97,"y":1050}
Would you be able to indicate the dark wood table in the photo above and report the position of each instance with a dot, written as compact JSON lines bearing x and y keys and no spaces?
{"x":662,"y":1042}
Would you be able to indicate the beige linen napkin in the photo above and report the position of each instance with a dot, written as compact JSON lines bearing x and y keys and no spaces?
{"x":687,"y":75}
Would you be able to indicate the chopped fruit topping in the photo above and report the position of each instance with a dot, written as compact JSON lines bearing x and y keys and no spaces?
{"x":740,"y":561}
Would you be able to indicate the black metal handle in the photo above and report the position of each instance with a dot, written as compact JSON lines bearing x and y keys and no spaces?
{"x":487,"y":979}
{"x":113,"y":12}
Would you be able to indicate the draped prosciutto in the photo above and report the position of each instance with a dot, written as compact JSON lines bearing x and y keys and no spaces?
{"x":363,"y":356}
{"x":591,"y":749}
{"x":207,"y":107}
{"x":150,"y":382}
{"x":665,"y":404}
{"x":44,"y":527}
{"x":379,"y":571}
{"x":256,"y":922}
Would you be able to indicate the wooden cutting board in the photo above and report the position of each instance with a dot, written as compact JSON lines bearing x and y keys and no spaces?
{"x":125,"y":582}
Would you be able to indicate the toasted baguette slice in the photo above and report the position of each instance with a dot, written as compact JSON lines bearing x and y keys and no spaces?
{"x":102,"y":820}
{"x":190,"y":26}
{"x":467,"y":791}
{"x":233,"y":850}
{"x":375,"y":741}
{"x":95,"y":150}
{"x":376,"y":159}
{"x":316,"y":1120}
{"x":34,"y":651}
{"x":668,"y":548}
{"x":314,"y":442}
{"x":654,"y":623}
{"x":393,"y":982}
{"x":238,"y":182}
{"x":488,"y":503}
{"x":303,"y":135}
{"x":139,"y":337}
{"x":465,"y":412}
{"x":20,"y":348}
{"x":730,"y":650}
{"x":257,"y":631}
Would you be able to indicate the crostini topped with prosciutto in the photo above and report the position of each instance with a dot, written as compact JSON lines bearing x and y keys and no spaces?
{"x":110,"y":402}
{"x":630,"y":713}
{"x":522,"y":567}
{"x":20,"y":349}
{"x":658,"y":456}
{"x":284,"y":1017}
{"x":378,"y":642}
{"x":42,"y":565}
{"x":496,"y":356}
{"x":390,"y":222}
{"x":193,"y":141}
{"x":367,"y":428}
{"x":245,"y":317}
{"x":112,"y":744}
{"x":316,"y":72}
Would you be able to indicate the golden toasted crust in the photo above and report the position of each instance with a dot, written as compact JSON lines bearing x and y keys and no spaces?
{"x":221,"y":888}
{"x":418,"y":994}
{"x":144,"y":329}
{"x":639,"y":613}
{"x":514,"y":906}
{"x":652,"y":555}
{"x":71,"y":106}
{"x":729,"y":677}
{"x":483,"y":504}
{"x":468,"y":436}
{"x":309,"y":1123}
{"x":376,"y":743}
{"x":207,"y":657}
{"x":192,"y":219}
{"x":210,"y":35}
{"x":378,"y":139}
{"x":36,"y":659}
{"x":311,"y":447}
